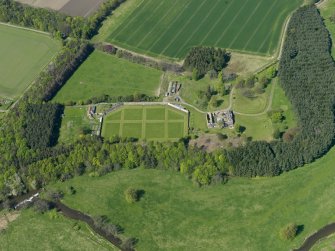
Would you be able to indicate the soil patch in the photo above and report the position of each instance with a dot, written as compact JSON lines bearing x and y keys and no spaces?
{"x":7,"y":218}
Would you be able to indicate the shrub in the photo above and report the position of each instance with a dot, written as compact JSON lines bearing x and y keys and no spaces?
{"x":289,"y":232}
{"x":53,"y":214}
{"x":71,"y":190}
{"x":129,"y":243}
{"x":131,"y":195}
{"x":42,"y":206}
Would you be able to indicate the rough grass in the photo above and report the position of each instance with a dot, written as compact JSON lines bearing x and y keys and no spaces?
{"x":104,"y":74}
{"x":190,"y":89}
{"x":257,"y":127}
{"x":74,"y":122}
{"x":327,"y":244}
{"x":254,"y":105}
{"x":244,"y":214}
{"x":281,"y":102}
{"x":39,"y":232}
{"x":171,"y":28}
{"x":23,"y":55}
{"x":146,"y":122}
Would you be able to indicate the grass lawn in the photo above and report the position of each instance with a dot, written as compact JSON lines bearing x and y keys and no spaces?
{"x":254,"y":105}
{"x":327,"y":10}
{"x":197,"y":119}
{"x":106,"y":74}
{"x":244,"y":214}
{"x":146,"y":122}
{"x":33,"y":232}
{"x":74,"y":123}
{"x":171,"y":28}
{"x":23,"y":55}
{"x":280,"y":101}
{"x":258,"y":127}
{"x":327,"y":244}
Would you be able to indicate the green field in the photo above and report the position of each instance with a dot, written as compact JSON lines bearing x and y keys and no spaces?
{"x":244,"y":214}
{"x":146,"y":122}
{"x":40,"y":232}
{"x":23,"y":55}
{"x":170,"y":28}
{"x":104,"y":74}
{"x":327,"y":244}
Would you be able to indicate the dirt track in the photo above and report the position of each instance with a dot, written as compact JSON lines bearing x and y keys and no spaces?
{"x":82,"y":8}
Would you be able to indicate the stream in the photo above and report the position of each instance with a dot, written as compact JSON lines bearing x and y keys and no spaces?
{"x":318,"y":235}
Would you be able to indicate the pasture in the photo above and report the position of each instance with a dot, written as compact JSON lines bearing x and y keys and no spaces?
{"x":103,"y":74}
{"x":23,"y":55}
{"x":154,"y":122}
{"x":82,"y":8}
{"x":244,"y":214}
{"x":33,"y":231}
{"x":171,"y":28}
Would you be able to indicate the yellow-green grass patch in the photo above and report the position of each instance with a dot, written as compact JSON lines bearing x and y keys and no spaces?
{"x":40,"y":232}
{"x":24,"y":53}
{"x":103,"y":74}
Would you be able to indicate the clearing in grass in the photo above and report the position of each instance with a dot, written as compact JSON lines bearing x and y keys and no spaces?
{"x":158,"y":122}
{"x":103,"y":74}
{"x":171,"y":27}
{"x":23,"y":55}
{"x":244,"y":214}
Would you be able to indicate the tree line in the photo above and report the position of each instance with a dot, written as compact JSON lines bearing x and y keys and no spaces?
{"x":58,"y":24}
{"x":307,"y":74}
{"x":201,"y":60}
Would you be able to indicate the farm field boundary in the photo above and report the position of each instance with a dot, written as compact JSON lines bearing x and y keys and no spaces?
{"x":28,"y":52}
{"x":171,"y":28}
{"x":70,"y":7}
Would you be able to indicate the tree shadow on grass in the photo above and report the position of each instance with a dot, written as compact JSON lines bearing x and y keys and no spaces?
{"x":300,"y":229}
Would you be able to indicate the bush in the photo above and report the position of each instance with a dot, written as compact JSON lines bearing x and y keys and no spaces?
{"x":71,"y":190}
{"x":132,"y":195}
{"x":289,"y":232}
{"x":129,"y":243}
{"x":42,"y":206}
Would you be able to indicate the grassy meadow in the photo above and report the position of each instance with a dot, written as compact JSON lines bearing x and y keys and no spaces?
{"x":32,"y":231}
{"x":171,"y":28}
{"x":106,"y":74}
{"x":146,"y":122}
{"x":327,"y":244}
{"x":23,"y":55}
{"x":244,"y":214}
